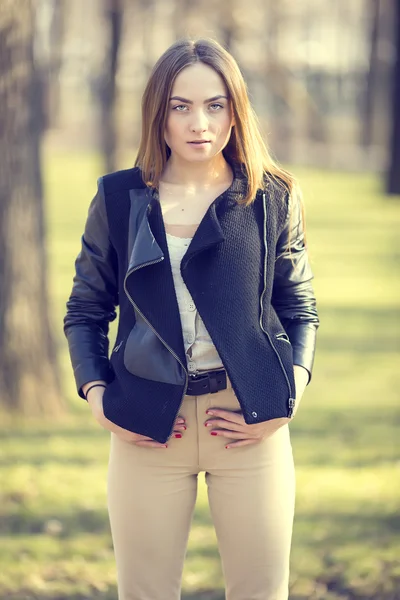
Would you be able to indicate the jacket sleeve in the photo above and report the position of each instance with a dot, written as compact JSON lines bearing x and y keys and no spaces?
{"x":293,"y":296}
{"x":94,"y":296}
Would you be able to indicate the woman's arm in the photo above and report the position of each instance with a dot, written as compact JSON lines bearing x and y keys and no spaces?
{"x":94,"y":296}
{"x":293,"y":296}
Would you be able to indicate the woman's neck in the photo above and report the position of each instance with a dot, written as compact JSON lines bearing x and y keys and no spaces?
{"x":197,"y":174}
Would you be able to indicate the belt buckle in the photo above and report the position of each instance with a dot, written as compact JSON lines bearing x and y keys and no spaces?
{"x":198,"y":376}
{"x":211,"y":377}
{"x":195,"y":379}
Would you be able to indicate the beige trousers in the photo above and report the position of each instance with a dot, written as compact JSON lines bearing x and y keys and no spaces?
{"x":251,"y":492}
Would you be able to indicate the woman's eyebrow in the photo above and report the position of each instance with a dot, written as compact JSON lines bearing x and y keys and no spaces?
{"x":205,"y":101}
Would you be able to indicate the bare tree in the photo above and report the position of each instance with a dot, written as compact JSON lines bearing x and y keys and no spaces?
{"x":393,"y":179}
{"x":227,"y":24}
{"x":108,"y":87}
{"x":29,"y":382}
{"x":301,"y":116}
{"x":49,"y":37}
{"x":147,"y":18}
{"x":181,"y":14}
{"x":367,"y":112}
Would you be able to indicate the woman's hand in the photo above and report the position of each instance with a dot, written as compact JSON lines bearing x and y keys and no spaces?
{"x":231,"y":424}
{"x":95,"y":400}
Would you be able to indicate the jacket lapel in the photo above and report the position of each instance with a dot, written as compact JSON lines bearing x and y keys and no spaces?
{"x":209,"y":233}
{"x":149,"y":279}
{"x":142,"y":245}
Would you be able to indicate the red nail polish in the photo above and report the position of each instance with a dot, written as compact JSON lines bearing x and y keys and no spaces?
{"x":178,"y":435}
{"x":214,"y":433}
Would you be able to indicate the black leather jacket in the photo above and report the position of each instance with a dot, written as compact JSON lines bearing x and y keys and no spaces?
{"x":254,"y":294}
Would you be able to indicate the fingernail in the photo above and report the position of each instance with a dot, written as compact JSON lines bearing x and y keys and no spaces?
{"x":165,"y":446}
{"x":178,"y":435}
{"x":214,"y":433}
{"x":209,"y":412}
{"x":227,"y":447}
{"x":207,"y":424}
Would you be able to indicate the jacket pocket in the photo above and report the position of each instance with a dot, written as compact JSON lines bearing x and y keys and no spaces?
{"x":117,"y":346}
{"x":284,"y":348}
{"x":283,"y":336}
{"x":146,"y":356}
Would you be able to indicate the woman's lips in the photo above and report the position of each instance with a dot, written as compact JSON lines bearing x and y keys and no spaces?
{"x":200,"y":143}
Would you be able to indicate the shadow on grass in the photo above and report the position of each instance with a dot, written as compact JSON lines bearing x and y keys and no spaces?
{"x":42,"y":459}
{"x":109,"y":595}
{"x":49,"y":431}
{"x":326,"y":530}
{"x":67,"y":523}
{"x":355,"y":436}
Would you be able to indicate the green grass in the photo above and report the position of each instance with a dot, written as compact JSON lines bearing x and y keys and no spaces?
{"x":55,"y":537}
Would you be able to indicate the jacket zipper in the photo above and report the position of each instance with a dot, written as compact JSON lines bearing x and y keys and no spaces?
{"x":150,"y":325}
{"x":291,"y":399}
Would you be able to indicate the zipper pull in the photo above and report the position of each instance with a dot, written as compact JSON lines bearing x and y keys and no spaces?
{"x":117,"y":347}
{"x":291,"y":406}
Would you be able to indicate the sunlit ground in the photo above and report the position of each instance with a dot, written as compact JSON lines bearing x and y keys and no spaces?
{"x":56,"y":541}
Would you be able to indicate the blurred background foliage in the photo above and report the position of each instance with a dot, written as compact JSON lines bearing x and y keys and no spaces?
{"x":320,"y":74}
{"x":324,"y":79}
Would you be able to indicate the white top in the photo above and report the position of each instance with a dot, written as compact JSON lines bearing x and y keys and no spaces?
{"x":201,"y":354}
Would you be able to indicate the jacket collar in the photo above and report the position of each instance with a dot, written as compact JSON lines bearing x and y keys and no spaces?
{"x":147,"y":239}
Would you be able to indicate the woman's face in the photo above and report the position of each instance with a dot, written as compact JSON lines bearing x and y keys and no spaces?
{"x":199,"y":110}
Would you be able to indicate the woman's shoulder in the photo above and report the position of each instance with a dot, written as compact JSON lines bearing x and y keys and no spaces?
{"x":124,"y":179}
{"x":276,"y":191}
{"x":275,"y":185}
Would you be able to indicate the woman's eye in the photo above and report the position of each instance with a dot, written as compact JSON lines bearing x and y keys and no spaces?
{"x":182,"y":107}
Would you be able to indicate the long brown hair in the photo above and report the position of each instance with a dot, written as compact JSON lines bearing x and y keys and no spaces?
{"x":245,"y":146}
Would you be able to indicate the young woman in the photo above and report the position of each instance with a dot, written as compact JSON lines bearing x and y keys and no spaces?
{"x":202,"y":247}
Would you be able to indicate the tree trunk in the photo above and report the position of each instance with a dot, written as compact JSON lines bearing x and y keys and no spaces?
{"x":180,"y":19}
{"x":393,"y":178}
{"x":227,"y":24}
{"x":367,"y":112}
{"x":108,"y":127}
{"x":49,"y":37}
{"x":29,"y":382}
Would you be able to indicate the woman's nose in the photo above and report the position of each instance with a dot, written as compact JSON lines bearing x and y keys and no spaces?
{"x":199,"y":122}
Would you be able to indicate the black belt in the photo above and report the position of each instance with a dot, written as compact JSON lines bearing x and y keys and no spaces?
{"x":207,"y":382}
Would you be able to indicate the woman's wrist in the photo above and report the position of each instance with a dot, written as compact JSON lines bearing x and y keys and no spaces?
{"x":301,"y":377}
{"x":95,"y":401}
{"x":88,"y":385}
